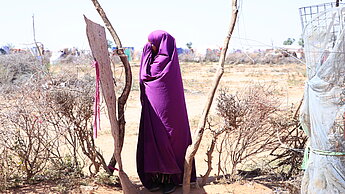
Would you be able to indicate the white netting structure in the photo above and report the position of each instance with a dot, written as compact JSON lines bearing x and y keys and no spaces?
{"x":322,"y":111}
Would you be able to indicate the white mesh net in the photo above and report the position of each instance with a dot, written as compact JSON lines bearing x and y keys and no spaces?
{"x":322,"y":111}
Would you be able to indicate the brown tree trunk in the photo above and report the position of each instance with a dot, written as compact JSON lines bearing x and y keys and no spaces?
{"x":192,"y":149}
{"x":128,"y":79}
{"x":98,"y":45}
{"x":209,"y":153}
{"x":36,"y":44}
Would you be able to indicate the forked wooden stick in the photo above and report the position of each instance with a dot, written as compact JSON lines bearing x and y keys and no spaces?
{"x":128,"y":79}
{"x":192,"y":149}
{"x":98,"y":45}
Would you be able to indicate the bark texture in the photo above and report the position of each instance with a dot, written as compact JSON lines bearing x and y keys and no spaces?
{"x":98,"y":45}
{"x":197,"y":137}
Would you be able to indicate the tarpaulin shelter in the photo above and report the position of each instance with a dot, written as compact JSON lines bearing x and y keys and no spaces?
{"x":322,"y":112}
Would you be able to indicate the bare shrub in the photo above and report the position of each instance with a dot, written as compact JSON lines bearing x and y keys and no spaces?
{"x":24,"y":135}
{"x":260,"y":58}
{"x":8,"y":172}
{"x":214,"y":134}
{"x":212,"y":55}
{"x":288,"y":155}
{"x":247,"y":126}
{"x":190,"y":57}
{"x":25,"y":132}
{"x":71,"y":109}
{"x":46,"y":130}
{"x":82,"y":59}
{"x":17,"y":68}
{"x":254,"y":132}
{"x":242,"y":58}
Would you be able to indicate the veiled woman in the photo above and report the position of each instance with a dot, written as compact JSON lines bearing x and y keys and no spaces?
{"x":164,"y":132}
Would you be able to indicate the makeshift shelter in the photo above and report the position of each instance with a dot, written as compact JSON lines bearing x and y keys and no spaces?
{"x":322,"y":112}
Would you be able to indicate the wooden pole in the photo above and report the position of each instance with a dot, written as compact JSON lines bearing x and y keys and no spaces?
{"x":34,"y":33}
{"x":192,"y":149}
{"x":337,"y":3}
{"x":128,"y":78}
{"x":107,"y":23}
{"x":99,"y":48}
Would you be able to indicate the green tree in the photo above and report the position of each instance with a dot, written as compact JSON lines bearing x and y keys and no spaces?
{"x":301,"y":42}
{"x":110,"y":44}
{"x":289,"y":41}
{"x":189,"y":45}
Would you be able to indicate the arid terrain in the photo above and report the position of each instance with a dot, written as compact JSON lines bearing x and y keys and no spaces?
{"x":197,"y":77}
{"x":289,"y":79}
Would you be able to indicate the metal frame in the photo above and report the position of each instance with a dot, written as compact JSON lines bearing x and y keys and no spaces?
{"x":307,"y":13}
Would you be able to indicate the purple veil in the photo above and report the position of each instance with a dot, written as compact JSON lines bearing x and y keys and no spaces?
{"x":164,"y":132}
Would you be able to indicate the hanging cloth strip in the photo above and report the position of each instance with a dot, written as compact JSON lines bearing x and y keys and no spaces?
{"x":97,"y":107}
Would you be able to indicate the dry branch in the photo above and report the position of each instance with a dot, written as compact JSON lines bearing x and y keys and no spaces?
{"x":192,"y":149}
{"x":254,"y":125}
{"x":98,"y":45}
{"x":289,"y":153}
{"x":128,"y":79}
{"x":107,"y":23}
{"x":34,"y":33}
{"x":70,"y":110}
{"x":209,"y":153}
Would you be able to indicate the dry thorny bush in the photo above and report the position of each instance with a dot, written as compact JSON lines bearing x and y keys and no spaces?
{"x":46,"y":129}
{"x":281,"y":57}
{"x":70,"y":113}
{"x":45,"y":119}
{"x":287,"y":156}
{"x":247,"y":126}
{"x":17,"y":69}
{"x":261,"y":58}
{"x":252,"y":127}
{"x":25,"y":135}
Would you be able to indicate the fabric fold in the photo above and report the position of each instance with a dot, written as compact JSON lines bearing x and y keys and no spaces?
{"x":164,"y":132}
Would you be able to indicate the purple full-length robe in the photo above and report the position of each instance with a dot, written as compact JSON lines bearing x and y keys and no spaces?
{"x":164,"y":132}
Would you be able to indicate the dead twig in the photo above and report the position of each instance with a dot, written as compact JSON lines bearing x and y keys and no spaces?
{"x":215,"y":135}
{"x":192,"y":149}
{"x":128,"y":79}
{"x":98,"y":44}
{"x":34,"y":34}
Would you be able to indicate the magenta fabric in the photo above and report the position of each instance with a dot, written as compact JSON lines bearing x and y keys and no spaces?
{"x":164,"y":132}
{"x":97,"y":106}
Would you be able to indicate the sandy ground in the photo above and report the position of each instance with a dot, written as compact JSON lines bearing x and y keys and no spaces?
{"x":288,"y":79}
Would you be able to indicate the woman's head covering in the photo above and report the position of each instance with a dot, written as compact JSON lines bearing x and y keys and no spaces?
{"x":154,"y":65}
{"x":164,"y":133}
{"x":164,"y":42}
